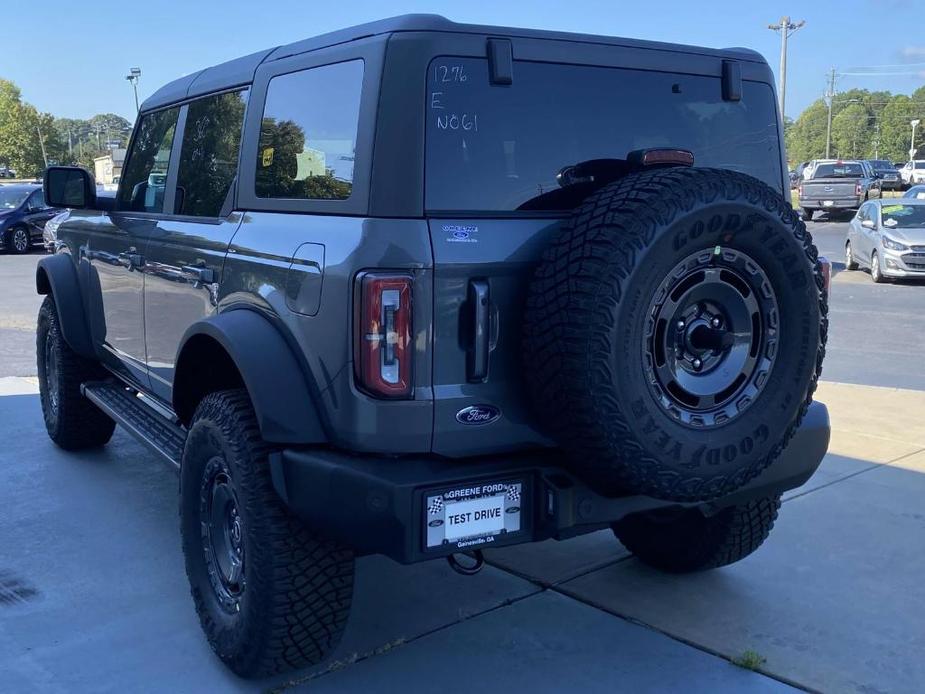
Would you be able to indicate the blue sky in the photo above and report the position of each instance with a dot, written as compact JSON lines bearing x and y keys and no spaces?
{"x":74,"y":62}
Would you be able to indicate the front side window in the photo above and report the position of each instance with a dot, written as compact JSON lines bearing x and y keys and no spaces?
{"x":209,"y":154}
{"x":308,"y":133}
{"x":499,"y":147}
{"x":144,"y":179}
{"x":37,"y":201}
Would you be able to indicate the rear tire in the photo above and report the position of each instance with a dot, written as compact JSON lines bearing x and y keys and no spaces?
{"x":270,"y":593}
{"x":688,"y":541}
{"x":72,"y":421}
{"x":806,"y":215}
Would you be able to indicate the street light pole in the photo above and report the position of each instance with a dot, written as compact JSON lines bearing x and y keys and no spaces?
{"x":132,"y":77}
{"x":913,"y":123}
{"x":786,"y":29}
{"x":828,"y":129}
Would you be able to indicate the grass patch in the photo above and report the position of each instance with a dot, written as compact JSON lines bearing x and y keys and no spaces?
{"x":750,"y":660}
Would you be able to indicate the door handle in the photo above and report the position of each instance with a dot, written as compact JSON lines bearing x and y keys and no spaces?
{"x":197,"y":273}
{"x":477,"y":353}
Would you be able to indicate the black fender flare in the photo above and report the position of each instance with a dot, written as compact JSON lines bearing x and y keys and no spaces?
{"x":56,"y":275}
{"x":275,"y":379}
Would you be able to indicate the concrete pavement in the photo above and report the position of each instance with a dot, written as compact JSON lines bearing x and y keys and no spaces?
{"x":93,"y":596}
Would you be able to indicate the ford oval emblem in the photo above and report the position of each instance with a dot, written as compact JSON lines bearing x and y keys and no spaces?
{"x":478,"y":414}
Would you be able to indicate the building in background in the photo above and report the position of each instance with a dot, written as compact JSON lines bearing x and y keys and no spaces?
{"x":108,"y":168}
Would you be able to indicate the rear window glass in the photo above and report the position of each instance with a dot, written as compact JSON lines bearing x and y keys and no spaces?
{"x":495,"y":148}
{"x":838,"y":170}
{"x":308,"y":133}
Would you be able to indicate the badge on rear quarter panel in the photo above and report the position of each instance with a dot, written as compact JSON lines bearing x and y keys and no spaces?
{"x":478,"y":414}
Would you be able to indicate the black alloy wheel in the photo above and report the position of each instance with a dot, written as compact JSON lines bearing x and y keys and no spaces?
{"x":222,"y":535}
{"x":712,"y":337}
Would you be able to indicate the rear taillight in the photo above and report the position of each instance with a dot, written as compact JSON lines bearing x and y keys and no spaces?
{"x":800,"y":190}
{"x":857,"y":188}
{"x":385,"y":353}
{"x":826,"y":266}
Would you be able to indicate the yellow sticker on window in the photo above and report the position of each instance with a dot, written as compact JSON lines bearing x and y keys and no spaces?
{"x":891,"y":208}
{"x":267,"y":157}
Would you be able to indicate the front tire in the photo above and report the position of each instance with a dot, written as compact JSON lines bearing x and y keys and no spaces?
{"x":687,"y":540}
{"x":876,"y":274}
{"x":270,"y":593}
{"x":72,"y":421}
{"x":850,"y":262}
{"x":17,"y":240}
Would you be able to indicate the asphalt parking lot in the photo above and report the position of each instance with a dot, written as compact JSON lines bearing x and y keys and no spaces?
{"x":93,"y":595}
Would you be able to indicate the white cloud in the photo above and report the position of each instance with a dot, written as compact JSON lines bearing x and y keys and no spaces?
{"x":913,"y":53}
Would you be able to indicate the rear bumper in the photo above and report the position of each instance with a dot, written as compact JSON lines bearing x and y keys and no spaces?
{"x":376,"y":504}
{"x":837,"y":204}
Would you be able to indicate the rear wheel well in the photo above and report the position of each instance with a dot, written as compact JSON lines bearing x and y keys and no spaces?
{"x":203,"y":367}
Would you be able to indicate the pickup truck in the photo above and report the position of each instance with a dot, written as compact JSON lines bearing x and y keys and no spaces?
{"x":838,"y":185}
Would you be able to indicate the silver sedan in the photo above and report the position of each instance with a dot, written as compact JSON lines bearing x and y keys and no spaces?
{"x":888,"y":236}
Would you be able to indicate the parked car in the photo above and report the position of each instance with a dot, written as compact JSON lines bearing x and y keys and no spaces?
{"x":50,"y":232}
{"x":837,"y":186}
{"x":7,"y":172}
{"x":917,"y":192}
{"x":887,"y":173}
{"x":23,"y":214}
{"x":345,"y":288}
{"x":913,"y":172}
{"x":888,"y":237}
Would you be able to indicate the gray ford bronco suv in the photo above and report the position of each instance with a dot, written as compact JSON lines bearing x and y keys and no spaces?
{"x":421,"y":289}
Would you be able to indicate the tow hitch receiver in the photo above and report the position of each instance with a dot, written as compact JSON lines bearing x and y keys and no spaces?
{"x":475,"y":560}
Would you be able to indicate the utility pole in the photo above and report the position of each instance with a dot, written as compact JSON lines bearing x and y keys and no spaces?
{"x":913,"y":123}
{"x":133,"y":75}
{"x":786,"y":29}
{"x":830,"y":93}
{"x":42,"y":143}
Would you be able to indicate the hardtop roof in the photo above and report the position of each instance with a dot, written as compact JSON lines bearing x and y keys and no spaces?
{"x":240,"y":71}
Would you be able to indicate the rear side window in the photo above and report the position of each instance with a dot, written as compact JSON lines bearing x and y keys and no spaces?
{"x":209,"y":155}
{"x":497,"y":147}
{"x":308,"y":133}
{"x":144,"y":179}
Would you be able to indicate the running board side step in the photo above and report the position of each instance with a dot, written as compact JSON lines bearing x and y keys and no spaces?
{"x":142,"y":421}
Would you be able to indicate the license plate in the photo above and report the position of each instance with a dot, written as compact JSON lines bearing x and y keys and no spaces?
{"x":472,"y":515}
{"x":827,"y":203}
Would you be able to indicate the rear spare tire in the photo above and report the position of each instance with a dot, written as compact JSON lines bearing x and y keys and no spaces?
{"x":675,"y":331}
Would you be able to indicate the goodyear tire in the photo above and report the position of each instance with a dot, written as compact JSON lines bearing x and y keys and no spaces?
{"x":271,"y":594}
{"x":72,"y":421}
{"x":676,"y":329}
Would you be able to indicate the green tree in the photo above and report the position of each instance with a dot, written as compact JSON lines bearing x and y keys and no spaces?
{"x":852,"y":133}
{"x":23,"y":133}
{"x":806,"y":137}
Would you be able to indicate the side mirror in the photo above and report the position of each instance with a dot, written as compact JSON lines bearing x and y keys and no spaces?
{"x":69,"y":186}
{"x":869,"y":224}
